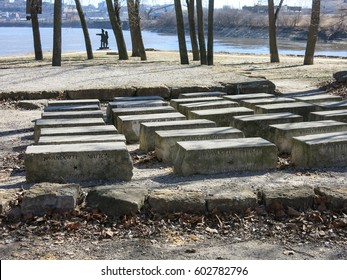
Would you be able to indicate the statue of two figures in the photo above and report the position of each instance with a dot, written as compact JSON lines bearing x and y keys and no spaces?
{"x":104,"y":39}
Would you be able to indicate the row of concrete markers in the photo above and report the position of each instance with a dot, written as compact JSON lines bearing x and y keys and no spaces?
{"x":198,"y":133}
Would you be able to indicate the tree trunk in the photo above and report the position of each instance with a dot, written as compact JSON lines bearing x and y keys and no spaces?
{"x":138,"y":32}
{"x":117,"y":29}
{"x":135,"y":47}
{"x":210,"y":33}
{"x":274,"y":57}
{"x":192,"y":28}
{"x":313,"y":32}
{"x":36,"y":35}
{"x":201,"y":32}
{"x":56,"y":56}
{"x":180,"y":33}
{"x":85,"y":29}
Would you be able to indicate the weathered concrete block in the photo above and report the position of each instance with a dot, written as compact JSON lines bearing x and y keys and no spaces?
{"x":298,"y":197}
{"x":41,"y":198}
{"x":165,"y":141}
{"x":320,"y":150}
{"x":159,"y":90}
{"x":92,"y":107}
{"x":220,"y":156}
{"x":300,"y":108}
{"x":258,"y":125}
{"x":185,"y":108}
{"x":115,"y":201}
{"x":79,"y":130}
{"x":137,"y":98}
{"x":72,"y":114}
{"x":177,"y":102}
{"x":222,"y":117}
{"x":238,"y":97}
{"x":147,"y":130}
{"x":336,"y":115}
{"x":75,"y":139}
{"x":335,"y":197}
{"x":130,"y":125}
{"x":100,"y":93}
{"x":78,"y":162}
{"x":318,"y":98}
{"x":232,"y":200}
{"x":251,"y":87}
{"x":175,"y":201}
{"x":115,"y":112}
{"x":283,"y":133}
{"x":74,"y":102}
{"x":64,"y":123}
{"x":252,"y":103}
{"x":202,"y":94}
{"x":335,"y":105}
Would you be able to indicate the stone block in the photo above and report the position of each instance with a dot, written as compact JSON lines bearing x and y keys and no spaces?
{"x":336,"y":115}
{"x":159,"y":90}
{"x":222,"y":117}
{"x":79,"y":130}
{"x":130,"y":125}
{"x":238,"y":97}
{"x":335,"y":197}
{"x":202,"y":94}
{"x":64,"y":123}
{"x":74,"y":102}
{"x":251,"y":87}
{"x":137,"y":98}
{"x":320,"y":150}
{"x":72,"y":114}
{"x":165,"y":141}
{"x":220,"y":156}
{"x":92,"y":107}
{"x":252,"y":103}
{"x":318,"y":98}
{"x":177,"y":102}
{"x":258,"y":125}
{"x":78,"y":162}
{"x":283,"y":133}
{"x":336,"y":105}
{"x":75,"y":139}
{"x":44,"y":197}
{"x":177,"y":201}
{"x":100,"y":93}
{"x":115,"y":201}
{"x":300,"y":108}
{"x":185,"y":108}
{"x":147,"y":130}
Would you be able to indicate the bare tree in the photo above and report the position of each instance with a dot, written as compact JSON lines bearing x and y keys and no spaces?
{"x":131,"y":16}
{"x":56,"y":56}
{"x":201,"y":32}
{"x":192,"y":29}
{"x":113,"y":13}
{"x":313,"y":32}
{"x":181,"y":33}
{"x":34,"y":10}
{"x":85,"y":29}
{"x":273,"y":16}
{"x":138,"y":32}
{"x":210,"y":32}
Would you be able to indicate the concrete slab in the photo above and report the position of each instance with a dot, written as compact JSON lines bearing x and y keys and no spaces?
{"x":165,"y":141}
{"x":78,"y":162}
{"x":337,"y":115}
{"x":147,"y":130}
{"x":137,"y":98}
{"x":130,"y":125}
{"x":56,"y":123}
{"x":252,"y":103}
{"x":222,"y":117}
{"x":202,"y":94}
{"x":283,"y":133}
{"x":92,"y":107}
{"x":320,"y":150}
{"x":72,"y":114}
{"x":220,"y":156}
{"x":177,"y":102}
{"x":74,"y":102}
{"x":300,"y":108}
{"x":336,"y":105}
{"x":79,"y":130}
{"x":75,"y":139}
{"x":318,"y":98}
{"x":185,"y":108}
{"x":238,"y":97}
{"x":258,"y":125}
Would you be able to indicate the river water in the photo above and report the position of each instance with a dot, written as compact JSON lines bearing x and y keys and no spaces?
{"x":18,"y":40}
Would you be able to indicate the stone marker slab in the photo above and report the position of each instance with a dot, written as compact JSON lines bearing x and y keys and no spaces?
{"x":64,"y":123}
{"x":336,"y":105}
{"x":92,"y":107}
{"x":115,"y":112}
{"x":75,"y":139}
{"x":320,"y":150}
{"x":165,"y":141}
{"x":137,"y":98}
{"x":318,"y":98}
{"x":130,"y":125}
{"x":337,"y":115}
{"x":147,"y":130}
{"x":74,"y":102}
{"x":222,"y":117}
{"x":284,"y":133}
{"x":177,"y":102}
{"x":252,"y":103}
{"x":202,"y":94}
{"x":79,"y":130}
{"x":72,"y":114}
{"x":78,"y":162}
{"x":300,"y":108}
{"x":220,"y":156}
{"x":238,"y":97}
{"x":185,"y":108}
{"x":258,"y":125}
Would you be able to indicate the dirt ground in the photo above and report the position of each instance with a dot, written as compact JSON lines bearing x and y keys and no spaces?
{"x":257,"y":234}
